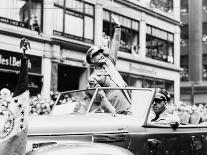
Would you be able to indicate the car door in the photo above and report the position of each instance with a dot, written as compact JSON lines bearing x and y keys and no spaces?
{"x":186,"y":139}
{"x":163,"y":140}
{"x":92,"y":128}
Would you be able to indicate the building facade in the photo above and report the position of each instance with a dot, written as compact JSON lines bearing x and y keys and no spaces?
{"x":193,"y":51}
{"x":149,"y":54}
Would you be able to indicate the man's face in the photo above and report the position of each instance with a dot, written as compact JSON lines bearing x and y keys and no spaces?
{"x":98,"y":58}
{"x":158,"y":105}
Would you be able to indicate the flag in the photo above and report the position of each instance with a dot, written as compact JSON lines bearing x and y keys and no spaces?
{"x":13,"y":137}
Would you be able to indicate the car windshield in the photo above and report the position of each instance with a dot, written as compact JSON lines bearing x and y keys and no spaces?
{"x":129,"y":101}
{"x":73,"y":102}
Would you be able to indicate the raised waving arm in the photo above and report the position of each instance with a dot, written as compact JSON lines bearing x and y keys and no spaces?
{"x":116,"y":39}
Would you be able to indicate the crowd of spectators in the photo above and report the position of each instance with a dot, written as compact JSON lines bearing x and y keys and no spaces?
{"x":38,"y":105}
{"x":190,"y":114}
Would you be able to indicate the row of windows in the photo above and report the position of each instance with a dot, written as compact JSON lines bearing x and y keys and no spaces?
{"x":75,"y":19}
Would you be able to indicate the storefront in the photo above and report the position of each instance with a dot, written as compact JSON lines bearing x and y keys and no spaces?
{"x":10,"y":63}
{"x":145,"y":76}
{"x":69,"y":77}
{"x":69,"y":70}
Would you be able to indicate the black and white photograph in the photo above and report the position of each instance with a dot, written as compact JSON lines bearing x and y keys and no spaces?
{"x":103,"y":77}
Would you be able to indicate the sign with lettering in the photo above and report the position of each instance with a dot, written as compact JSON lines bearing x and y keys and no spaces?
{"x":12,"y":61}
{"x":142,"y":69}
{"x":13,"y":22}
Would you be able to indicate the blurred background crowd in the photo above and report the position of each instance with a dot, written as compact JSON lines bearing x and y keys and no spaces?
{"x":38,"y":105}
{"x":189,"y":114}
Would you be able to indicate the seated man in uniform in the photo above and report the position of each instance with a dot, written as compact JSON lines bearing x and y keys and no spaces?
{"x":159,"y":114}
{"x":105,"y":73}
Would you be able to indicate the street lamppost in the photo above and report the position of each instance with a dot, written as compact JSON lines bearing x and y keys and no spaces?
{"x":192,"y":92}
{"x":193,"y":84}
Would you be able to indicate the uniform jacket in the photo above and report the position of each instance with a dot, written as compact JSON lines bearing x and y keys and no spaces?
{"x":164,"y":118}
{"x":108,"y":75}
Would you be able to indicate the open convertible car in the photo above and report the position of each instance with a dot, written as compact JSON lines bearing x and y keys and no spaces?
{"x":80,"y":124}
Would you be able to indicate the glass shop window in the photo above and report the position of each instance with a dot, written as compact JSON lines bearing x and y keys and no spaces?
{"x":148,"y":83}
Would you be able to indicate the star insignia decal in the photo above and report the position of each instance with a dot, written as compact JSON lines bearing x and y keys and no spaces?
{"x":22,"y":119}
{"x":22,"y":112}
{"x":20,"y":106}
{"x":21,"y":127}
{"x":15,"y":100}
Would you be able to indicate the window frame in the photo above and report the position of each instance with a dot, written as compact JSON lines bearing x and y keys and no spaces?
{"x":83,"y":14}
{"x":131,"y":30}
{"x":21,"y":22}
{"x":167,"y":42}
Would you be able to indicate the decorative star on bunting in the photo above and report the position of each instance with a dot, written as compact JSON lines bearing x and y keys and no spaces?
{"x":22,"y":120}
{"x":15,"y":100}
{"x":21,"y":126}
{"x":22,"y":113}
{"x":20,"y":106}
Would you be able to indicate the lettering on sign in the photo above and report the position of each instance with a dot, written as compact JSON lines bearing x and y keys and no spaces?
{"x":12,"y":61}
{"x":13,"y":22}
{"x":142,"y":69}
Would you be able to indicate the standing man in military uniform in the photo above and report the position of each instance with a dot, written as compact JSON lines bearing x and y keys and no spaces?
{"x":105,"y":73}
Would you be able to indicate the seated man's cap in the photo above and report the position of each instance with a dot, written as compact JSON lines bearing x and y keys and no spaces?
{"x":162,"y":94}
{"x":91,"y":51}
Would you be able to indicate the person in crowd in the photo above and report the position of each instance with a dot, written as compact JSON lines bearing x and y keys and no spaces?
{"x":159,"y":114}
{"x":105,"y":73}
{"x":195,"y":117}
{"x":183,"y":114}
{"x":34,"y":24}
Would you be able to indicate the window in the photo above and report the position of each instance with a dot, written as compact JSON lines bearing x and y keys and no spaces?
{"x":204,"y":67}
{"x":184,"y":7}
{"x":129,"y":32}
{"x":159,"y":44}
{"x":58,"y":17}
{"x":74,"y":24}
{"x":60,"y":2}
{"x":204,"y":36}
{"x":74,"y":19}
{"x":21,"y":13}
{"x":205,"y":6}
{"x":184,"y":64}
{"x":164,"y":5}
{"x":184,"y":36}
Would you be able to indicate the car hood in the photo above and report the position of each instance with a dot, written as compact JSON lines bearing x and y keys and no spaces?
{"x":77,"y":124}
